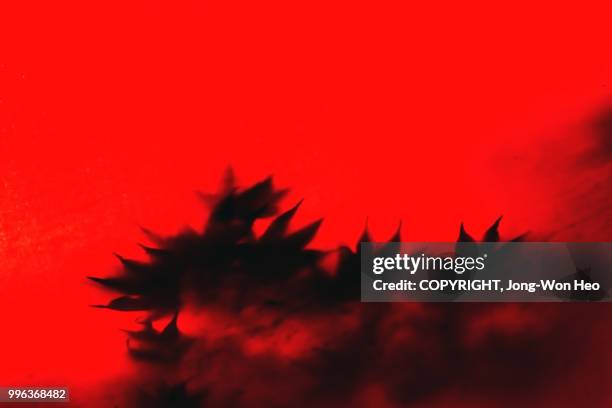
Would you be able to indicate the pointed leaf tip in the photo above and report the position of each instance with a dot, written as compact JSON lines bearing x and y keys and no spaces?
{"x":397,"y":235}
{"x":365,"y":235}
{"x":152,"y":251}
{"x":278,"y":228}
{"x":463,"y":235}
{"x":492,"y":234}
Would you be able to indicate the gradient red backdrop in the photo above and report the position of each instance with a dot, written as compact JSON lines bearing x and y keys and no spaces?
{"x":113,"y":115}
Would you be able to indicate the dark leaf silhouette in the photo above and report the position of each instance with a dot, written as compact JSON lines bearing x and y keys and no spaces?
{"x":265,"y":284}
{"x":492,"y":234}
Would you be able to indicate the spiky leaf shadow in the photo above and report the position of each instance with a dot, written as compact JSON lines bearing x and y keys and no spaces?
{"x":227,"y":265}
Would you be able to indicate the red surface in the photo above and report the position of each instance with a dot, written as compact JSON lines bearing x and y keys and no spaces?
{"x":111,"y":116}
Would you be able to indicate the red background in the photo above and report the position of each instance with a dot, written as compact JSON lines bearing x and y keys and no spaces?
{"x":112,"y":115}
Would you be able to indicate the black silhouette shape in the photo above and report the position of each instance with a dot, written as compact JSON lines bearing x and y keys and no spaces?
{"x":169,"y":396}
{"x":228,"y":266}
